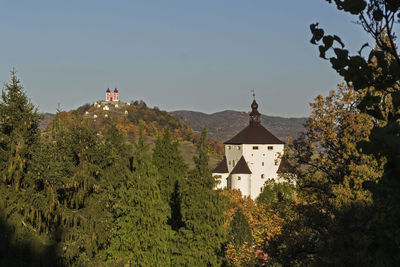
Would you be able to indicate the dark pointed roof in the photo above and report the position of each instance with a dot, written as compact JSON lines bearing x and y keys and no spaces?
{"x":115,"y":90}
{"x":222,"y":167}
{"x":254,"y":133}
{"x":241,"y":167}
{"x":285,"y":166}
{"x":108,"y":90}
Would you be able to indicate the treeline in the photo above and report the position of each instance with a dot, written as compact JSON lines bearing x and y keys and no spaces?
{"x":74,"y":197}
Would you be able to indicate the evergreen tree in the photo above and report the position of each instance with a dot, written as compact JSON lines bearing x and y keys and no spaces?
{"x":141,"y":232}
{"x":240,"y":230}
{"x":172,"y":170}
{"x":19,"y":132}
{"x":203,"y":214}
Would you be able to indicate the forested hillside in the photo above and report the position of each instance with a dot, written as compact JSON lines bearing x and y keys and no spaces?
{"x":225,"y":124}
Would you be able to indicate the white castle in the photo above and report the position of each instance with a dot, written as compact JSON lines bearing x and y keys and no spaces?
{"x":252,"y":157}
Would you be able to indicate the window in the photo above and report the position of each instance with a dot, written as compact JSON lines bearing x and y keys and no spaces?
{"x":260,"y":189}
{"x":255,"y":147}
{"x":239,"y":178}
{"x":229,"y":147}
{"x":262,"y":176}
{"x":270,"y":148}
{"x":229,"y":162}
{"x":217,"y":176}
{"x":233,"y":162}
{"x":263,"y":155}
{"x":238,"y":147}
{"x":262,"y":163}
{"x":276,"y":162}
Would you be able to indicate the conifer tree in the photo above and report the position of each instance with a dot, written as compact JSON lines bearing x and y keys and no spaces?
{"x":203,"y":214}
{"x":19,"y":132}
{"x":240,"y":230}
{"x":172,"y":170}
{"x":141,"y":232}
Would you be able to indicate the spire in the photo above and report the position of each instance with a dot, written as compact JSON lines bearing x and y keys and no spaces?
{"x":254,"y":114}
{"x":108,"y":90}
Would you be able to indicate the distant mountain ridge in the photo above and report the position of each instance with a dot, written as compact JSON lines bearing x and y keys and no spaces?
{"x":225,"y":124}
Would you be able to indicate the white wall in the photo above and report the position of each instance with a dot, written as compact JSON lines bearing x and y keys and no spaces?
{"x":241,"y":182}
{"x":255,"y":159}
{"x":250,"y":185}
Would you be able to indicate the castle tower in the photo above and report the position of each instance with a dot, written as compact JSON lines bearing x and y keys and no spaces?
{"x":108,"y":95}
{"x":251,"y":158}
{"x":116,"y":97}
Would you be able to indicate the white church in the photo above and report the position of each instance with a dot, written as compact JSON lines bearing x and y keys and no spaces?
{"x":252,"y":157}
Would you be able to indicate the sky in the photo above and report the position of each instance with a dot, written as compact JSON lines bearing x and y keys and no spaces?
{"x":203,"y":55}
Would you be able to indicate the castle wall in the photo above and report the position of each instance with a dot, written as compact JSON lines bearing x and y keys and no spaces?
{"x":263,"y":163}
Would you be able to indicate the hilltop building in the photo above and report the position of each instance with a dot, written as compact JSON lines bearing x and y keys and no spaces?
{"x":112,"y":96}
{"x":252,"y":157}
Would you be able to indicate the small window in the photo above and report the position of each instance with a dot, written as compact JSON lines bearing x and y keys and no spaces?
{"x":229,"y":147}
{"x":229,"y":162}
{"x":238,"y":147}
{"x":263,"y":155}
{"x":260,"y":189}
{"x":262,"y":163}
{"x":233,"y":162}
{"x":262,"y":176}
{"x":276,"y":162}
{"x":239,"y":178}
{"x":255,"y":147}
{"x":217,"y":176}
{"x":251,"y":154}
{"x":270,"y":148}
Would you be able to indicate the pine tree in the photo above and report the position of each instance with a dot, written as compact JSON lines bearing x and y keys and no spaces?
{"x":203,"y":214}
{"x":141,"y":232}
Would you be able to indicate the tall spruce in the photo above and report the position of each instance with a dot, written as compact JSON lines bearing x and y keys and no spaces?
{"x":19,"y":132}
{"x":203,"y":214}
{"x":172,"y":170}
{"x":141,"y":232}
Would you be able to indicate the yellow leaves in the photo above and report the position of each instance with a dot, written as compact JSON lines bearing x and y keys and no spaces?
{"x":244,"y":255}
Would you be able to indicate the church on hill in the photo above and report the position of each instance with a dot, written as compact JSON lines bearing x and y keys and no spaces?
{"x":112,"y":96}
{"x":252,"y":157}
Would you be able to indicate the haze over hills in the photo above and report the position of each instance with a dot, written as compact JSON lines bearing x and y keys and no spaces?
{"x":225,"y":124}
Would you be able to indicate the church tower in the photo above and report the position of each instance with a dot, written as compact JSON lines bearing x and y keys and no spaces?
{"x":108,"y":95}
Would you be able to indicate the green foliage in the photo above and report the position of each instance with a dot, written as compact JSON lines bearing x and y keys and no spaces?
{"x":203,"y":215}
{"x":141,"y":233}
{"x":240,"y":230}
{"x":274,"y":193}
{"x":19,"y":133}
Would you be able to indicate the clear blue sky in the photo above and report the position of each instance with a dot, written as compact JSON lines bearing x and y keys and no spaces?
{"x":178,"y":54}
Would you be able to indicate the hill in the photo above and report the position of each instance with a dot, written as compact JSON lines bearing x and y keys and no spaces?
{"x":130,"y":118}
{"x":225,"y":124}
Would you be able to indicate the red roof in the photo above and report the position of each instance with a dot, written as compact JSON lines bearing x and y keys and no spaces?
{"x":108,"y":90}
{"x":115,"y":90}
{"x":241,"y":167}
{"x":222,"y":167}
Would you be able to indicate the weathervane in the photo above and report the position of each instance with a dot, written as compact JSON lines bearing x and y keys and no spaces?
{"x":254,"y":94}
